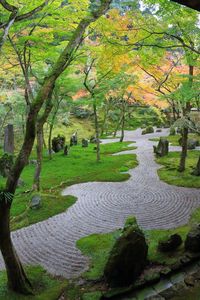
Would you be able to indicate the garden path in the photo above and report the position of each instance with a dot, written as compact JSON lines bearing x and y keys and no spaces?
{"x":103,"y":207}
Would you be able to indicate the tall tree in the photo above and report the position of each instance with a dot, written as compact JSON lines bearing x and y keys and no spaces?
{"x":17,"y":279}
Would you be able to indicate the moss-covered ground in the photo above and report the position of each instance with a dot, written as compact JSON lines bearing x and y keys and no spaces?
{"x":170,"y":174}
{"x":45,"y":287}
{"x":61,"y":171}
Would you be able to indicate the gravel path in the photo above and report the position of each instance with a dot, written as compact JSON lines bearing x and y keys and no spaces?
{"x":102,"y":207}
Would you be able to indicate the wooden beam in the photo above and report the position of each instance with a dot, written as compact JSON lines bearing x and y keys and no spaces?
{"x":195,"y":4}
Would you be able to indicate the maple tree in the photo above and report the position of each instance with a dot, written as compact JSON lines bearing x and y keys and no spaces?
{"x":17,"y":279}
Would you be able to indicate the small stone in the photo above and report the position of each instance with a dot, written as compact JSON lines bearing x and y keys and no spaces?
{"x":20,"y":183}
{"x":189,"y":280}
{"x":185,"y":260}
{"x":191,"y":144}
{"x":33,"y":162}
{"x":35,"y":202}
{"x":171,"y":244}
{"x":74,"y":139}
{"x":165,"y":271}
{"x":192,"y":242}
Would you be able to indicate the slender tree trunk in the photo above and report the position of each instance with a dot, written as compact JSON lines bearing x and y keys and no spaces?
{"x":117,"y":127}
{"x":96,"y":123}
{"x":122,"y":123}
{"x":40,"y":142}
{"x":184,"y":150}
{"x":186,"y":112}
{"x":104,"y":121}
{"x":17,"y":280}
{"x":196,"y":172}
{"x":16,"y":277}
{"x":44,"y":142}
{"x":38,"y":168}
{"x":49,"y":140}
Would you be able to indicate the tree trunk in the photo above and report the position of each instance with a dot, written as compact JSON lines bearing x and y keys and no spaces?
{"x":186,"y":112}
{"x":196,"y":172}
{"x":17,"y":280}
{"x":122,"y":122}
{"x":44,"y":142}
{"x":38,"y":168}
{"x":96,"y":123}
{"x":104,"y":121}
{"x":49,"y":140}
{"x":184,"y":150}
{"x":117,"y":127}
{"x":16,"y":276}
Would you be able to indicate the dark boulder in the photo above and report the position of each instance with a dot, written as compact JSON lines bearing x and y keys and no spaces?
{"x":127,"y":258}
{"x":192,"y":242}
{"x":171,"y":244}
{"x":84,"y":143}
{"x":74,"y":139}
{"x":58,"y":143}
{"x":163,"y":147}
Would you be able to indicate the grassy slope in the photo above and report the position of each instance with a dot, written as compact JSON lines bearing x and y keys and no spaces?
{"x":45,"y":286}
{"x":84,"y":127}
{"x":62,"y":171}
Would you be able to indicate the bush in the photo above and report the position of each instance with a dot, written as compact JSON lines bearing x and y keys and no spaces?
{"x":172,"y":131}
{"x":149,"y":129}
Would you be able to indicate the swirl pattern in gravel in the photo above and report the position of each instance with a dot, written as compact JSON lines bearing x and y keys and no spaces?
{"x":102,"y":207}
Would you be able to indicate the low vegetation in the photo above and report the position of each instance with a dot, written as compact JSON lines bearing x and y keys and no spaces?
{"x":45,"y":286}
{"x":170,"y":174}
{"x":62,"y":171}
{"x":98,"y":247}
{"x":174,"y":139}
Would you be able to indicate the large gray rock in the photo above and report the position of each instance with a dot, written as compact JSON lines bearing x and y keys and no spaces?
{"x":9,"y":139}
{"x":58,"y":143}
{"x":163,"y":147}
{"x":192,"y":242}
{"x":127,"y":258}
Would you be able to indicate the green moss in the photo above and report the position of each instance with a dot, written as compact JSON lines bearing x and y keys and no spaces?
{"x":130,"y":221}
{"x":52,"y":204}
{"x":170,"y":174}
{"x":92,"y":296}
{"x":62,"y":171}
{"x":45,"y":286}
{"x":98,"y":246}
{"x":173,"y":139}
